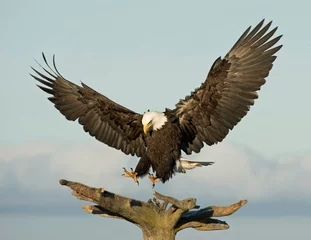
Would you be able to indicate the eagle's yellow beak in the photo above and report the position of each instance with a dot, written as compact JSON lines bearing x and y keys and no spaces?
{"x":146,"y":127}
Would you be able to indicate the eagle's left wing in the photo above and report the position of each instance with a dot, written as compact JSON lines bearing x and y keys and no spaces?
{"x":229,"y":90}
{"x":109,"y":122}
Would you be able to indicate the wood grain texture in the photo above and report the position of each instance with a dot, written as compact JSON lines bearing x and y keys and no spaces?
{"x":159,"y":218}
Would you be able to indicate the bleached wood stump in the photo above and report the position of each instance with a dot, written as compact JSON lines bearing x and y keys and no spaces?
{"x":160,"y":218}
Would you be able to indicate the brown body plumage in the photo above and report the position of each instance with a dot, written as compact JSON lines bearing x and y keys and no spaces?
{"x":164,"y":148}
{"x":206,"y":116}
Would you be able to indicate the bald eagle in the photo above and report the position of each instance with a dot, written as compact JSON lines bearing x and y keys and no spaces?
{"x":158,"y":138}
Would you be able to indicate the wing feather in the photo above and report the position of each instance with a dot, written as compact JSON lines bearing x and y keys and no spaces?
{"x":107,"y":121}
{"x":229,"y":90}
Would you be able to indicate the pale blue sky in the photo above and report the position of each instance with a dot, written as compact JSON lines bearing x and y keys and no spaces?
{"x":148,"y":55}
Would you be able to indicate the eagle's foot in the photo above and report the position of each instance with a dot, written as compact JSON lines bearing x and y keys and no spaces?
{"x":153,"y":179}
{"x":131,"y":174}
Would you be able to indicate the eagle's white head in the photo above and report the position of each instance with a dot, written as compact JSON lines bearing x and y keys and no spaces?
{"x":153,"y":121}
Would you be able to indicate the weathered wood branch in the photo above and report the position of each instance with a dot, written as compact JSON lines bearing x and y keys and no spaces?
{"x":155,"y":218}
{"x":186,"y":204}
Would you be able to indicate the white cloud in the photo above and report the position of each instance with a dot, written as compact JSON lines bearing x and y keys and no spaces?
{"x":238,"y":172}
{"x":241,"y":173}
{"x":14,"y":152}
{"x":41,"y":166}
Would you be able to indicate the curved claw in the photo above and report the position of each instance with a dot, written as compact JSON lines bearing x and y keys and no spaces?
{"x":130,"y":174}
{"x":153,"y":179}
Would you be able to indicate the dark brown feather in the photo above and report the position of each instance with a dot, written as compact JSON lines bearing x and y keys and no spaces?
{"x":229,"y":90}
{"x":102,"y":118}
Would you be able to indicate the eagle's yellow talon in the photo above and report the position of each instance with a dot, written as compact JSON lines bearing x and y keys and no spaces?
{"x":153,"y":179}
{"x":130,"y":174}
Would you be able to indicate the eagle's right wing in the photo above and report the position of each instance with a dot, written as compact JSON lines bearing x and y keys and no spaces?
{"x":229,"y":90}
{"x":107,"y":121}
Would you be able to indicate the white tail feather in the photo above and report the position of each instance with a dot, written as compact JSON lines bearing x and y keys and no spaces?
{"x":184,"y":164}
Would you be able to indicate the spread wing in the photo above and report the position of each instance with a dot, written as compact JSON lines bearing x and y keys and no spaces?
{"x":229,"y":90}
{"x":107,"y":121}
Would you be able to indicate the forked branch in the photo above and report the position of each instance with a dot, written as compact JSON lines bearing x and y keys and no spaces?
{"x":160,"y":218}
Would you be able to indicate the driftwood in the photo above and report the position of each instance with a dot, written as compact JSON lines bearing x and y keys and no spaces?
{"x":159,"y":218}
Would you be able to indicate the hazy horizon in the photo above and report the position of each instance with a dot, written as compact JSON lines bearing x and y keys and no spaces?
{"x":148,"y":55}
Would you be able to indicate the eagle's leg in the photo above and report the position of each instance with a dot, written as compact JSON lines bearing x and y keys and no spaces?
{"x":131,"y":174}
{"x":153,"y":179}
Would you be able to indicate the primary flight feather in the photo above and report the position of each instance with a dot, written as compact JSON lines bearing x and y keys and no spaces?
{"x":158,"y":138}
